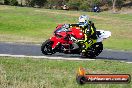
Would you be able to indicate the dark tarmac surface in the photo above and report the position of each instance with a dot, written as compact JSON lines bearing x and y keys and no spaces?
{"x":34,"y":50}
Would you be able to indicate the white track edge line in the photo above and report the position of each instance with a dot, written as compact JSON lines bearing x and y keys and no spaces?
{"x":39,"y":57}
{"x":52,"y":58}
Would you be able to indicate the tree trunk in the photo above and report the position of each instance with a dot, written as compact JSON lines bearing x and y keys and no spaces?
{"x":21,"y":2}
{"x":114,"y":3}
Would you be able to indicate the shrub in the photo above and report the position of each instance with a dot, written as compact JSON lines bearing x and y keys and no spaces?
{"x":38,"y":3}
{"x":85,"y":6}
{"x":7,"y":2}
{"x":1,"y":1}
{"x":14,"y":2}
{"x":74,"y":5}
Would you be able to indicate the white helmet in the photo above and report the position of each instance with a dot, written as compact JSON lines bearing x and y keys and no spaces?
{"x":83,"y":18}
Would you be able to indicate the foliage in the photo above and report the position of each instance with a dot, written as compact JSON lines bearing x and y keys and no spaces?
{"x":110,"y":2}
{"x":74,"y":4}
{"x":6,"y":2}
{"x":11,"y":2}
{"x":39,"y":3}
{"x":97,"y":1}
{"x":119,"y":3}
{"x":54,"y":4}
{"x":1,"y":1}
{"x":14,"y":2}
{"x":85,"y":6}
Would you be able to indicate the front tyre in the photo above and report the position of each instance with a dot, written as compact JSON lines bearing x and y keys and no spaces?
{"x":46,"y":47}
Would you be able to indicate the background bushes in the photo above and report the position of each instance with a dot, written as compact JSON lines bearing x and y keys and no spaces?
{"x":85,"y":5}
{"x":11,"y":2}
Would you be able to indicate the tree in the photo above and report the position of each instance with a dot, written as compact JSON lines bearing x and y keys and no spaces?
{"x":74,"y":4}
{"x":38,"y":3}
{"x":113,"y":5}
{"x":55,"y":4}
{"x":85,"y":5}
{"x":28,"y":2}
{"x":14,"y":2}
{"x":1,"y":1}
{"x":6,"y":2}
{"x":116,"y":3}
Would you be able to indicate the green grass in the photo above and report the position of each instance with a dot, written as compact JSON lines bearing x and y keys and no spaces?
{"x":32,"y":25}
{"x":43,"y":73}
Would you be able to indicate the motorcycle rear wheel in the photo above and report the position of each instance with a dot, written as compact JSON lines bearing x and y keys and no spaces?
{"x":94,"y":50}
{"x":46,"y":47}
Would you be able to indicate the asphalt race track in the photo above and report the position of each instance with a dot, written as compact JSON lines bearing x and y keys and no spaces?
{"x":34,"y":50}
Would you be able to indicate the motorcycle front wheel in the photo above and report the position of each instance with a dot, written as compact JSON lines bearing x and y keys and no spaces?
{"x":46,"y":47}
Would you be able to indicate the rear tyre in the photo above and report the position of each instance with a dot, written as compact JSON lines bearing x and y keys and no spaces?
{"x":94,"y":50}
{"x":46,"y":47}
{"x":99,"y":48}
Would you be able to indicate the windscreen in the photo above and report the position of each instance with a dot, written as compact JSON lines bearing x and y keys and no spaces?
{"x":62,"y":29}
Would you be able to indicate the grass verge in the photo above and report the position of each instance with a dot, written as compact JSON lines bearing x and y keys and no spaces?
{"x":43,"y":73}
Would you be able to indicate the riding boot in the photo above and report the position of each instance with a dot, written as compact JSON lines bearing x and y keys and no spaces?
{"x":83,"y":52}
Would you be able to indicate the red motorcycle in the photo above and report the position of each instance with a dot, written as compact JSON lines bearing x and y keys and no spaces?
{"x":65,"y":40}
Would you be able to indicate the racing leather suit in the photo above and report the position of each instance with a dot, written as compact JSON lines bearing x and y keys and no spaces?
{"x":89,"y":31}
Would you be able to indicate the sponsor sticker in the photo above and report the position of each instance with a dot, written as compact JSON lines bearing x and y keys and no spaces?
{"x":83,"y":78}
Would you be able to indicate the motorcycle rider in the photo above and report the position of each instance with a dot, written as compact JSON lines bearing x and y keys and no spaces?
{"x":88,"y":29}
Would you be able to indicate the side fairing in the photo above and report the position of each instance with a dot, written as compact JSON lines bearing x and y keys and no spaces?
{"x":77,"y":33}
{"x":103,"y":35}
